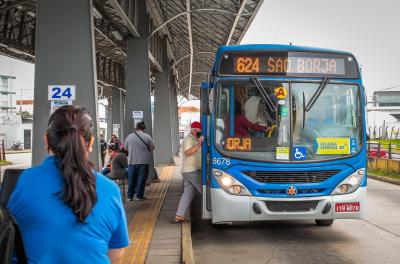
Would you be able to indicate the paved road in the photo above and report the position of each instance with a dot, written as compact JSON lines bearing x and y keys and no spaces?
{"x":376,"y":239}
{"x":19,"y":158}
{"x":395,"y":156}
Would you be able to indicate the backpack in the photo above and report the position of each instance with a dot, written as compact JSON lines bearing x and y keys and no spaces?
{"x":10,"y":235}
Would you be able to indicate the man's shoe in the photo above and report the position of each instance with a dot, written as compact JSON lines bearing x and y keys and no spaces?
{"x":179,"y":219}
{"x":129,"y":200}
{"x":140,"y":199}
{"x":156,"y":180}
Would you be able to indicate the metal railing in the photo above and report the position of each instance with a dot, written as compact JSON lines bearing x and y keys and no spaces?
{"x":2,"y":150}
{"x":383,"y":150}
{"x":384,"y":132}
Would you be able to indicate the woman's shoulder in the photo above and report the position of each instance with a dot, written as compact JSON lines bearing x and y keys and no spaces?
{"x":105,"y":184}
{"x":45,"y":169}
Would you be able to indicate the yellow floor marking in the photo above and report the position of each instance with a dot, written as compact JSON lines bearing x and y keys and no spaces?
{"x":138,"y":225}
{"x":141,"y":225}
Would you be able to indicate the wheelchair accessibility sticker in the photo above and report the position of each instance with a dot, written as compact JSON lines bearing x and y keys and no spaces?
{"x":299,"y":153}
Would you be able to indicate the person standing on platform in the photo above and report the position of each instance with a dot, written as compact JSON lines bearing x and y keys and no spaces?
{"x":103,"y":149}
{"x":191,"y":169}
{"x":66,"y":211}
{"x":140,"y":148}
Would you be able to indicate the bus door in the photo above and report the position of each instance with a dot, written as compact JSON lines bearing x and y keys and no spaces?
{"x":205,"y":107}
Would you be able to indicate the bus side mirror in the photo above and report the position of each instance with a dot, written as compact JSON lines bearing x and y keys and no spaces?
{"x":207,"y":85}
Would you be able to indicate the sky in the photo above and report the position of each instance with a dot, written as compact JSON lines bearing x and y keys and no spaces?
{"x":369,"y":29}
{"x":24,"y":73}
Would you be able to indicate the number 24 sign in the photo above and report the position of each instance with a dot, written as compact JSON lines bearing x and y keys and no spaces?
{"x":62,"y":92}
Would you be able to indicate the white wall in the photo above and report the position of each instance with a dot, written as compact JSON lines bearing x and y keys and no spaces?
{"x":14,"y":133}
{"x":186,"y":118}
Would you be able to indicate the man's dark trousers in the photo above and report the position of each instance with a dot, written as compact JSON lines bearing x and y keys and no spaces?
{"x":137,"y":176}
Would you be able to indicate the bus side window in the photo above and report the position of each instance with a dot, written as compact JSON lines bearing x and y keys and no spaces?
{"x":222,"y":115}
{"x":209,"y":114}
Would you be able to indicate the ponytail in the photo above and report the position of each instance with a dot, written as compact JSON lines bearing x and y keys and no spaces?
{"x":69,"y":134}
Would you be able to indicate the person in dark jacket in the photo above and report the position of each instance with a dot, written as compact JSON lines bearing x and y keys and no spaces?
{"x":112,"y":152}
{"x":242,"y":124}
{"x":118,"y":166}
{"x":103,"y":149}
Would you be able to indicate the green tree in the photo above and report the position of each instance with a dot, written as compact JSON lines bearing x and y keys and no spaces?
{"x":26,"y":115}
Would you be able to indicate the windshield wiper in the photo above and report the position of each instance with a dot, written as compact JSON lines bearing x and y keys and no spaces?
{"x":266,"y":97}
{"x":317,"y":93}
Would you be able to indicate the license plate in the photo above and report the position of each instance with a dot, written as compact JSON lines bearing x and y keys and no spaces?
{"x":347,"y":207}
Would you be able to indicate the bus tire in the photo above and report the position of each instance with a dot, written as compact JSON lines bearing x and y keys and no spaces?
{"x":327,"y":222}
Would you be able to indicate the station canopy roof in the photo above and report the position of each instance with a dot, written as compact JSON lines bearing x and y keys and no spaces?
{"x":194,"y":30}
{"x":388,"y":90}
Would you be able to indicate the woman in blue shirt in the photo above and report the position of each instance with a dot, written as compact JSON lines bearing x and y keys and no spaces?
{"x":67,"y":212}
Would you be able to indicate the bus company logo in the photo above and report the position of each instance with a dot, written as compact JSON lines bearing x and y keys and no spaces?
{"x":291,"y":191}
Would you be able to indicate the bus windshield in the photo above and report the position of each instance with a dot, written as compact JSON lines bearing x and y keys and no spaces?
{"x":269,"y":121}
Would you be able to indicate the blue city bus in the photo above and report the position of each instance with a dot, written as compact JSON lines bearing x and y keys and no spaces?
{"x":285,"y":135}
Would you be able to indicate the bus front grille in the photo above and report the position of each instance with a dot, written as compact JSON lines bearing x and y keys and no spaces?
{"x":283,"y":191}
{"x":282,"y":177}
{"x":291,"y":206}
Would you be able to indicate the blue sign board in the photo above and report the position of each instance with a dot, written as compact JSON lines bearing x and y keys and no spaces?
{"x":299,"y":153}
{"x":62,"y":92}
{"x":353,"y":146}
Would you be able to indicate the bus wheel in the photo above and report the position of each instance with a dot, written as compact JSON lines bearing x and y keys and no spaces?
{"x":324,"y":222}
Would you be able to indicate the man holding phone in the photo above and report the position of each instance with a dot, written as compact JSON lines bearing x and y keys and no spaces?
{"x":191,"y":168}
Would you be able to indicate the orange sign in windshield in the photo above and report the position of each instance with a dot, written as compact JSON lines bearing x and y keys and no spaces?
{"x":238,"y":144}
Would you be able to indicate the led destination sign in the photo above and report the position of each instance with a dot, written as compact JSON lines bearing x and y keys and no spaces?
{"x":296,"y":64}
{"x":288,"y":65}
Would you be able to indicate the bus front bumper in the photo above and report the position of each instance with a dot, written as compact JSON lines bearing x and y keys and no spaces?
{"x":231,"y":208}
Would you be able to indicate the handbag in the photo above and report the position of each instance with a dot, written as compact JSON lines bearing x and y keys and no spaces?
{"x":10,"y":234}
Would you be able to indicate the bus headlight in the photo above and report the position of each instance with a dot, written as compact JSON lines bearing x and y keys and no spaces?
{"x":350,"y":184}
{"x":229,"y":184}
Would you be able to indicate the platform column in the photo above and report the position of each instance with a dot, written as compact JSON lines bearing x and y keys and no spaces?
{"x":138,"y":96}
{"x":174,"y":120}
{"x":122,"y":114}
{"x":162,"y":112}
{"x":65,"y":55}
{"x":109,"y":123}
{"x":117,"y":118}
{"x":178,"y":145}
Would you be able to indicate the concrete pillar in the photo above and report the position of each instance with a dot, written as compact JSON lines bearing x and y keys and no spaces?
{"x":162,"y":119}
{"x":65,"y":55}
{"x":174,"y":120}
{"x":137,"y":77}
{"x":116,"y":111}
{"x":122,"y":115}
{"x":175,"y":113}
{"x":178,"y":144}
{"x":109,"y":123}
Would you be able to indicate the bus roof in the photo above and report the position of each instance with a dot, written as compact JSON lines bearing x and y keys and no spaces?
{"x":271,"y":47}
